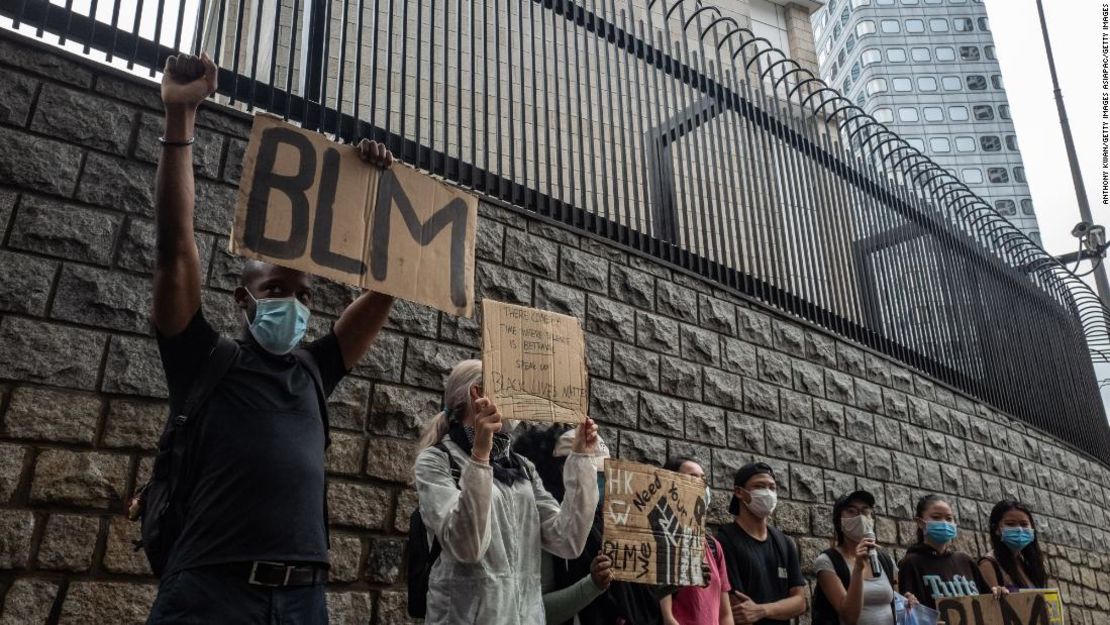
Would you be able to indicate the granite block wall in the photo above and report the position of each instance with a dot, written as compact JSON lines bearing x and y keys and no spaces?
{"x":677,"y":367}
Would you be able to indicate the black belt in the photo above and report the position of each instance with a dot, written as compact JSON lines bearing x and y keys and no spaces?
{"x":279,"y":574}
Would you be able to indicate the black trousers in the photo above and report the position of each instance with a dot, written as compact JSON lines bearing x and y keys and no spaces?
{"x":209,"y":596}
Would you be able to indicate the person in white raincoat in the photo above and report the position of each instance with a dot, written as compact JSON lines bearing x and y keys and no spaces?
{"x":495,"y":522}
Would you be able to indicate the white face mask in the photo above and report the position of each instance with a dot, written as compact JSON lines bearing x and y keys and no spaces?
{"x":763,"y":502}
{"x":857,"y":527}
{"x":708,"y":496}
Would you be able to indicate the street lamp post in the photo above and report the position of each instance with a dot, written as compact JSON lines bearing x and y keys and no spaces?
{"x":1101,"y":283}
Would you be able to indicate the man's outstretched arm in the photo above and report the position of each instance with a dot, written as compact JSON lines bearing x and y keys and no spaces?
{"x":187,"y":81}
{"x":363,"y":319}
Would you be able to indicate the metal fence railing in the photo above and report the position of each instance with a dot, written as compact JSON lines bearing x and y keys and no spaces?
{"x":667,"y":128}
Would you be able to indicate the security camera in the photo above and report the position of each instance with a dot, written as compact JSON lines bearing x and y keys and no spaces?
{"x":1080,"y":230}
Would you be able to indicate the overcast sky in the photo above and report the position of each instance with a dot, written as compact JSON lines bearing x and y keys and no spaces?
{"x":1075,"y":29}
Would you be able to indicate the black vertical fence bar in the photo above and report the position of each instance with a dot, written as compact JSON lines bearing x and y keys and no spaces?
{"x":804,"y":201}
{"x":402,"y":126}
{"x":558,"y":110}
{"x":498,"y":191}
{"x":442,"y":169}
{"x":581,"y":112}
{"x":341,"y":72}
{"x":615,"y":105}
{"x":471,"y":175}
{"x":114,"y":30}
{"x":573,"y":113}
{"x":290,"y":58}
{"x":69,"y":22}
{"x":198,"y":32}
{"x":220,"y":18}
{"x":622,"y":125}
{"x":320,"y":69}
{"x":92,"y":28}
{"x":356,"y":105}
{"x":275,"y":38}
{"x":374,"y":66}
{"x":605,"y":122}
{"x":178,"y":27}
{"x":135,"y":33}
{"x":417,"y":118}
{"x":254,"y":53}
{"x":237,"y":47}
{"x":705,"y":152}
{"x":387,"y":115}
{"x":510,"y":191}
{"x":687,"y":134}
{"x":638,"y":182}
{"x":544,"y":48}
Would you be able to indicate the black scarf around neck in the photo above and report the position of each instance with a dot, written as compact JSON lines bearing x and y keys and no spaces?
{"x":507,"y":466}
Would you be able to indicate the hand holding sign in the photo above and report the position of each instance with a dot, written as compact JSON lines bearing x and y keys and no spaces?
{"x":585,"y":439}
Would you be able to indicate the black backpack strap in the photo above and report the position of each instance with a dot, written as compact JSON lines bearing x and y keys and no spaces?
{"x":840,"y":566}
{"x":887,"y":563}
{"x":216,"y":365}
{"x":218,"y":361}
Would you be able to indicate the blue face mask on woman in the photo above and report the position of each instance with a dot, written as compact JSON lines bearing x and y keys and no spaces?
{"x":940,"y":532}
{"x":1018,"y":538}
{"x":279,"y":323}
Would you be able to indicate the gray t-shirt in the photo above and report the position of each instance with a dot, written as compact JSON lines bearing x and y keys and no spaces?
{"x":877,"y":594}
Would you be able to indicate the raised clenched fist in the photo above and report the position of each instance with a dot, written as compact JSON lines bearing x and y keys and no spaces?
{"x":187,"y":80}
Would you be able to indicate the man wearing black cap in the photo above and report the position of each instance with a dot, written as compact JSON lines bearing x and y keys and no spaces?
{"x":763,"y":569}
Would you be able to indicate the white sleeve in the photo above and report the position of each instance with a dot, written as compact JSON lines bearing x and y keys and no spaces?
{"x":565,"y":528}
{"x":458,"y":515}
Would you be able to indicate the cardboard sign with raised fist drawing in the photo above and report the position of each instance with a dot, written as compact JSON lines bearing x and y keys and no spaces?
{"x":654,"y":524}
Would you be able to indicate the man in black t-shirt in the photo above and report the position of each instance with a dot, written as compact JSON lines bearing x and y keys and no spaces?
{"x":762,"y":562}
{"x":253,"y":547}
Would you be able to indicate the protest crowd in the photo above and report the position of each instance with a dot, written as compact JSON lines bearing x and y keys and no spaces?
{"x":511,"y":523}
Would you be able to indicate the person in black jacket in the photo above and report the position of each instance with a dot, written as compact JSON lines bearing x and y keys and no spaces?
{"x":763,"y":568}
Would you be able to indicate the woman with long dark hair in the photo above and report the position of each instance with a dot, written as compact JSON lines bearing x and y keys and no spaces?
{"x":932,"y":569}
{"x":1015,"y":560}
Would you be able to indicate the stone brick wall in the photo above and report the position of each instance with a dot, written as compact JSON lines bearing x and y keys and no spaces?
{"x":677,"y":367}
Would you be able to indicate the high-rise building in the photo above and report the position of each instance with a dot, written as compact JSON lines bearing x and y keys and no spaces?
{"x":928,"y":70}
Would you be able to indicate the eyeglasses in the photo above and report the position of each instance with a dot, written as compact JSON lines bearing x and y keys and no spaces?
{"x":854,"y":511}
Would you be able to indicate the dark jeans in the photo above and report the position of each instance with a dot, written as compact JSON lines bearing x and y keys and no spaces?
{"x":207,"y":596}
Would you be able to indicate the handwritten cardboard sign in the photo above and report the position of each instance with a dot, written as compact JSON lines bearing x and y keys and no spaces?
{"x":533,"y":363}
{"x":1029,"y":607}
{"x":654,"y":524}
{"x":310,"y":204}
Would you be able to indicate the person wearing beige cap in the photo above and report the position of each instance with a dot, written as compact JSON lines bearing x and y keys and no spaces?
{"x":489,"y":511}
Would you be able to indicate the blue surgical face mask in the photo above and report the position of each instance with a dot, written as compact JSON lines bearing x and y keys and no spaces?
{"x":1018,"y":538}
{"x":940,"y":532}
{"x":279,"y":323}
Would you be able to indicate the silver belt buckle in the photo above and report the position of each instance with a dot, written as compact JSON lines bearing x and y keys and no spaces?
{"x":254,"y":572}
